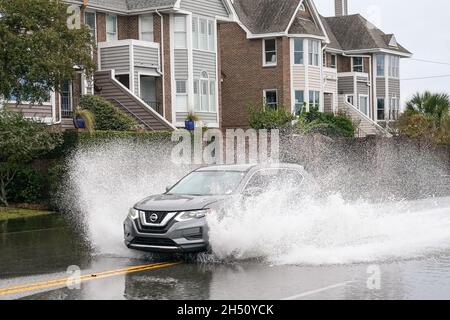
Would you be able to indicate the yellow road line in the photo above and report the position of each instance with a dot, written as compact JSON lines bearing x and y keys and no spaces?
{"x":85,"y":278}
{"x":87,"y":275}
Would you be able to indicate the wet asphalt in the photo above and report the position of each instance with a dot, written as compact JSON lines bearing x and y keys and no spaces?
{"x":34,"y":265}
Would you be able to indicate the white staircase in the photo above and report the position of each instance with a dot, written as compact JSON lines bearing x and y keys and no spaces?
{"x":365,"y":125}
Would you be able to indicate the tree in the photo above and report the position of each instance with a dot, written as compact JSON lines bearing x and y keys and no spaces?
{"x":427,"y":117}
{"x":21,"y":141}
{"x":436,"y":105}
{"x":38,"y":51}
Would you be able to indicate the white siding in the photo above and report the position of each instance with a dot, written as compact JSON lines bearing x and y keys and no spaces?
{"x":146,"y":57}
{"x":204,"y":61}
{"x":210,"y":8}
{"x":298,"y":77}
{"x":181,"y":64}
{"x":115,"y":58}
{"x":315,"y":81}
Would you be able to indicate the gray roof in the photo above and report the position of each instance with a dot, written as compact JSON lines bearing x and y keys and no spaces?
{"x":265,"y":16}
{"x":146,"y":4}
{"x":354,"y":32}
{"x":127,"y":5}
{"x":304,"y":26}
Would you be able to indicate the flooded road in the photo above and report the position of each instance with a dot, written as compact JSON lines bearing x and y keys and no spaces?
{"x":34,"y":264}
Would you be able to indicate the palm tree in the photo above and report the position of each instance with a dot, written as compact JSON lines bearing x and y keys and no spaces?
{"x":436,"y":105}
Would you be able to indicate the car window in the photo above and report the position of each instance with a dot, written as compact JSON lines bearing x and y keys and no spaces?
{"x":267,"y":179}
{"x":208,"y":183}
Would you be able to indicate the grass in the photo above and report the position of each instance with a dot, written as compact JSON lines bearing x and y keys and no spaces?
{"x":14,"y":213}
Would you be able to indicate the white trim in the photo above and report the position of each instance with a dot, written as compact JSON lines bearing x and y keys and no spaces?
{"x":190,"y":48}
{"x":265,"y":97}
{"x":265,"y":63}
{"x":116,"y":37}
{"x":172,"y":70}
{"x":113,"y":78}
{"x":140,"y":26}
{"x":128,"y":42}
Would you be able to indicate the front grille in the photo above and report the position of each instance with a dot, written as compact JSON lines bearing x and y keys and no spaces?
{"x":162,"y":242}
{"x":160,"y":216}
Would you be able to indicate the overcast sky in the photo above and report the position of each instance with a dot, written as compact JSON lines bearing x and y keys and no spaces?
{"x":420,"y":26}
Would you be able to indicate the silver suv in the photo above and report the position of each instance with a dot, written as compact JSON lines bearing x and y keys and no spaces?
{"x":176,"y":220}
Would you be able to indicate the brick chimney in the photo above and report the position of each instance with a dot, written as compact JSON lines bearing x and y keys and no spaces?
{"x":341,"y":7}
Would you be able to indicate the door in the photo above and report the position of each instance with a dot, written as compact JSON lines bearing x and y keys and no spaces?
{"x":364,"y":104}
{"x":66,"y":100}
{"x":147,"y":85}
{"x":328,"y":102}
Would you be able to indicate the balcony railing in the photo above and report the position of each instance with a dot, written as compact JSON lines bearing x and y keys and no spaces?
{"x":154,"y":105}
{"x":66,"y":107}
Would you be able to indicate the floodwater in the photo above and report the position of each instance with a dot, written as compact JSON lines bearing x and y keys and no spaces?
{"x":48,"y":248}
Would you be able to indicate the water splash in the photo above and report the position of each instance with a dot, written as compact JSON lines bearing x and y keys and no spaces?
{"x":332,"y":231}
{"x":106,"y":180}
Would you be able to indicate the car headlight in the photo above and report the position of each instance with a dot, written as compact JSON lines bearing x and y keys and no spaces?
{"x":189,"y":215}
{"x":133,"y":214}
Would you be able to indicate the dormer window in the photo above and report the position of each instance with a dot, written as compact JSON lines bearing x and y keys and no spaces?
{"x":302,"y":7}
{"x":393,"y":42}
{"x":270,"y":52}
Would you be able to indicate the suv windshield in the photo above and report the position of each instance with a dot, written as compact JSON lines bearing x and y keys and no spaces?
{"x":208,"y":183}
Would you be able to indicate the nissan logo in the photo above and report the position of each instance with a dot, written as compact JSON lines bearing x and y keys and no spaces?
{"x":154,"y":217}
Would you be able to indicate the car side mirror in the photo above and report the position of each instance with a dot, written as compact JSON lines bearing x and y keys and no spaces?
{"x":253,"y":192}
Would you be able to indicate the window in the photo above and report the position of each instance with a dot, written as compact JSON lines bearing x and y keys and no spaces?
{"x":364,"y":104}
{"x":314,"y":54}
{"x":180,"y":32}
{"x":299,"y":101}
{"x":212,"y":95}
{"x":270,"y":52}
{"x":350,"y":99}
{"x":271,"y":99}
{"x":394,"y":67}
{"x":90,"y":22}
{"x":380,"y":65}
{"x":111,"y":28}
{"x":146,"y":27}
{"x":394,"y":108}
{"x":380,"y":108}
{"x":314,"y":99}
{"x":298,"y":51}
{"x":182,"y":95}
{"x":124,"y":79}
{"x":203,"y":34}
{"x":205,"y":93}
{"x":358,"y":64}
{"x":211,"y":38}
{"x":333,"y":61}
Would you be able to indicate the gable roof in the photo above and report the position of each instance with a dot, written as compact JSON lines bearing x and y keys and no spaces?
{"x":354,"y":32}
{"x":265,"y":16}
{"x":128,"y":5}
{"x":146,"y":4}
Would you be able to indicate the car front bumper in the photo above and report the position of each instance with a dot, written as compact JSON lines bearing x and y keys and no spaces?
{"x":177,"y":237}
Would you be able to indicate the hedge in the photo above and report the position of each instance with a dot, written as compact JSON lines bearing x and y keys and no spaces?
{"x":107,"y":116}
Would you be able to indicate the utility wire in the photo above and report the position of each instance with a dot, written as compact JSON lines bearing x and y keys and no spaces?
{"x":431,"y":61}
{"x":430,"y":77}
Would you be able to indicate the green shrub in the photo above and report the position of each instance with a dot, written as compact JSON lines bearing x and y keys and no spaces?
{"x":107,"y":116}
{"x":327,"y":124}
{"x":28,"y":186}
{"x":268,"y":118}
